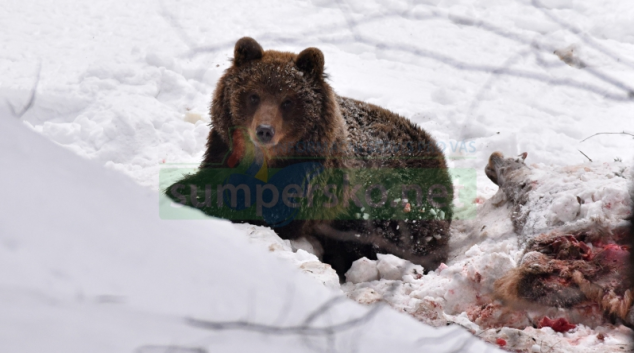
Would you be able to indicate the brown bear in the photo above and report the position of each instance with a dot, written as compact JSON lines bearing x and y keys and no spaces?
{"x":276,"y":110}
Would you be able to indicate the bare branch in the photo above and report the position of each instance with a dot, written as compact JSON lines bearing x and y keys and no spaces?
{"x":583,"y":36}
{"x":176,"y":25}
{"x":329,"y":304}
{"x":475,"y":103}
{"x":304,"y":329}
{"x":459,"y":347}
{"x":29,"y":103}
{"x":608,"y":133}
{"x":585,"y":155}
{"x":352,"y":25}
{"x":169,"y":349}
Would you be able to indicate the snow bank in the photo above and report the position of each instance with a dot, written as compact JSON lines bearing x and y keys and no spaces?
{"x":86,"y":265}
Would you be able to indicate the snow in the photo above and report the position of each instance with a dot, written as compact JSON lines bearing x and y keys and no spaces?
{"x":298,"y":252}
{"x":86,"y":264}
{"x":111,"y":89}
{"x":362,"y":270}
{"x":602,"y":189}
{"x":486,"y":248}
{"x":127,"y":85}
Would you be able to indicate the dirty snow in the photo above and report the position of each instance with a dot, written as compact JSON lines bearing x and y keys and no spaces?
{"x":486,"y":248}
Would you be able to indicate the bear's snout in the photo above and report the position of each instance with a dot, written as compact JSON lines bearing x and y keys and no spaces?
{"x":265,"y":133}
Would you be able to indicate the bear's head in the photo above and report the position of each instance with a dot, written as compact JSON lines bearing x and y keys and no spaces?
{"x":279,"y":99}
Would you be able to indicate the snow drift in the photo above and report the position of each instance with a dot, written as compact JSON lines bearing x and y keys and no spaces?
{"x":86,"y":265}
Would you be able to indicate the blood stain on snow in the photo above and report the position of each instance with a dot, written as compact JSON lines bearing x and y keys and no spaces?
{"x":559,"y":325}
{"x":477,"y":277}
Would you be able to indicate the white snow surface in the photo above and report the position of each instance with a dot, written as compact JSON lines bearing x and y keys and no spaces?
{"x":87,"y":265}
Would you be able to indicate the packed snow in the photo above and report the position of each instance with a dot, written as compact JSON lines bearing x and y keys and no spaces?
{"x":87,"y":265}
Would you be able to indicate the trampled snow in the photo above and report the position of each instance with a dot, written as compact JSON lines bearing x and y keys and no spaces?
{"x":127,"y":85}
{"x":485,"y":248}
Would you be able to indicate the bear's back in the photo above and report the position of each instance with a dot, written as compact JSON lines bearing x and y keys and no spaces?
{"x":390,"y":140}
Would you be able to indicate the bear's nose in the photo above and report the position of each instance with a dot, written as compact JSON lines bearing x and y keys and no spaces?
{"x":265,"y":133}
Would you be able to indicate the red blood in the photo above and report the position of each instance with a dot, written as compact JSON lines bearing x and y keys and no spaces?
{"x":569,"y":241}
{"x":500,"y":342}
{"x":615,"y":254}
{"x":559,"y":325}
{"x":557,"y":280}
{"x":238,"y":149}
{"x":478,"y":277}
{"x":615,"y":247}
{"x":585,"y":251}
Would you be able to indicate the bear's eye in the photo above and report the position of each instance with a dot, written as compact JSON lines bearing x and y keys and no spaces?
{"x":287,"y":104}
{"x":254,"y":98}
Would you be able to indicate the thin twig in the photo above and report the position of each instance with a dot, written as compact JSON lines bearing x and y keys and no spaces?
{"x":583,"y":36}
{"x":305,"y":330}
{"x":428,"y":53}
{"x":608,"y":133}
{"x":31,"y":100}
{"x":585,"y":155}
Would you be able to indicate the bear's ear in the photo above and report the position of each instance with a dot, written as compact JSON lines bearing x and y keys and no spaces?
{"x":246,"y":49}
{"x":311,"y":62}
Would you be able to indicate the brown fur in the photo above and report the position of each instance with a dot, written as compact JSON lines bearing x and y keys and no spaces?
{"x":275,"y":77}
{"x":511,"y":175}
{"x":289,"y":92}
{"x":559,"y":269}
